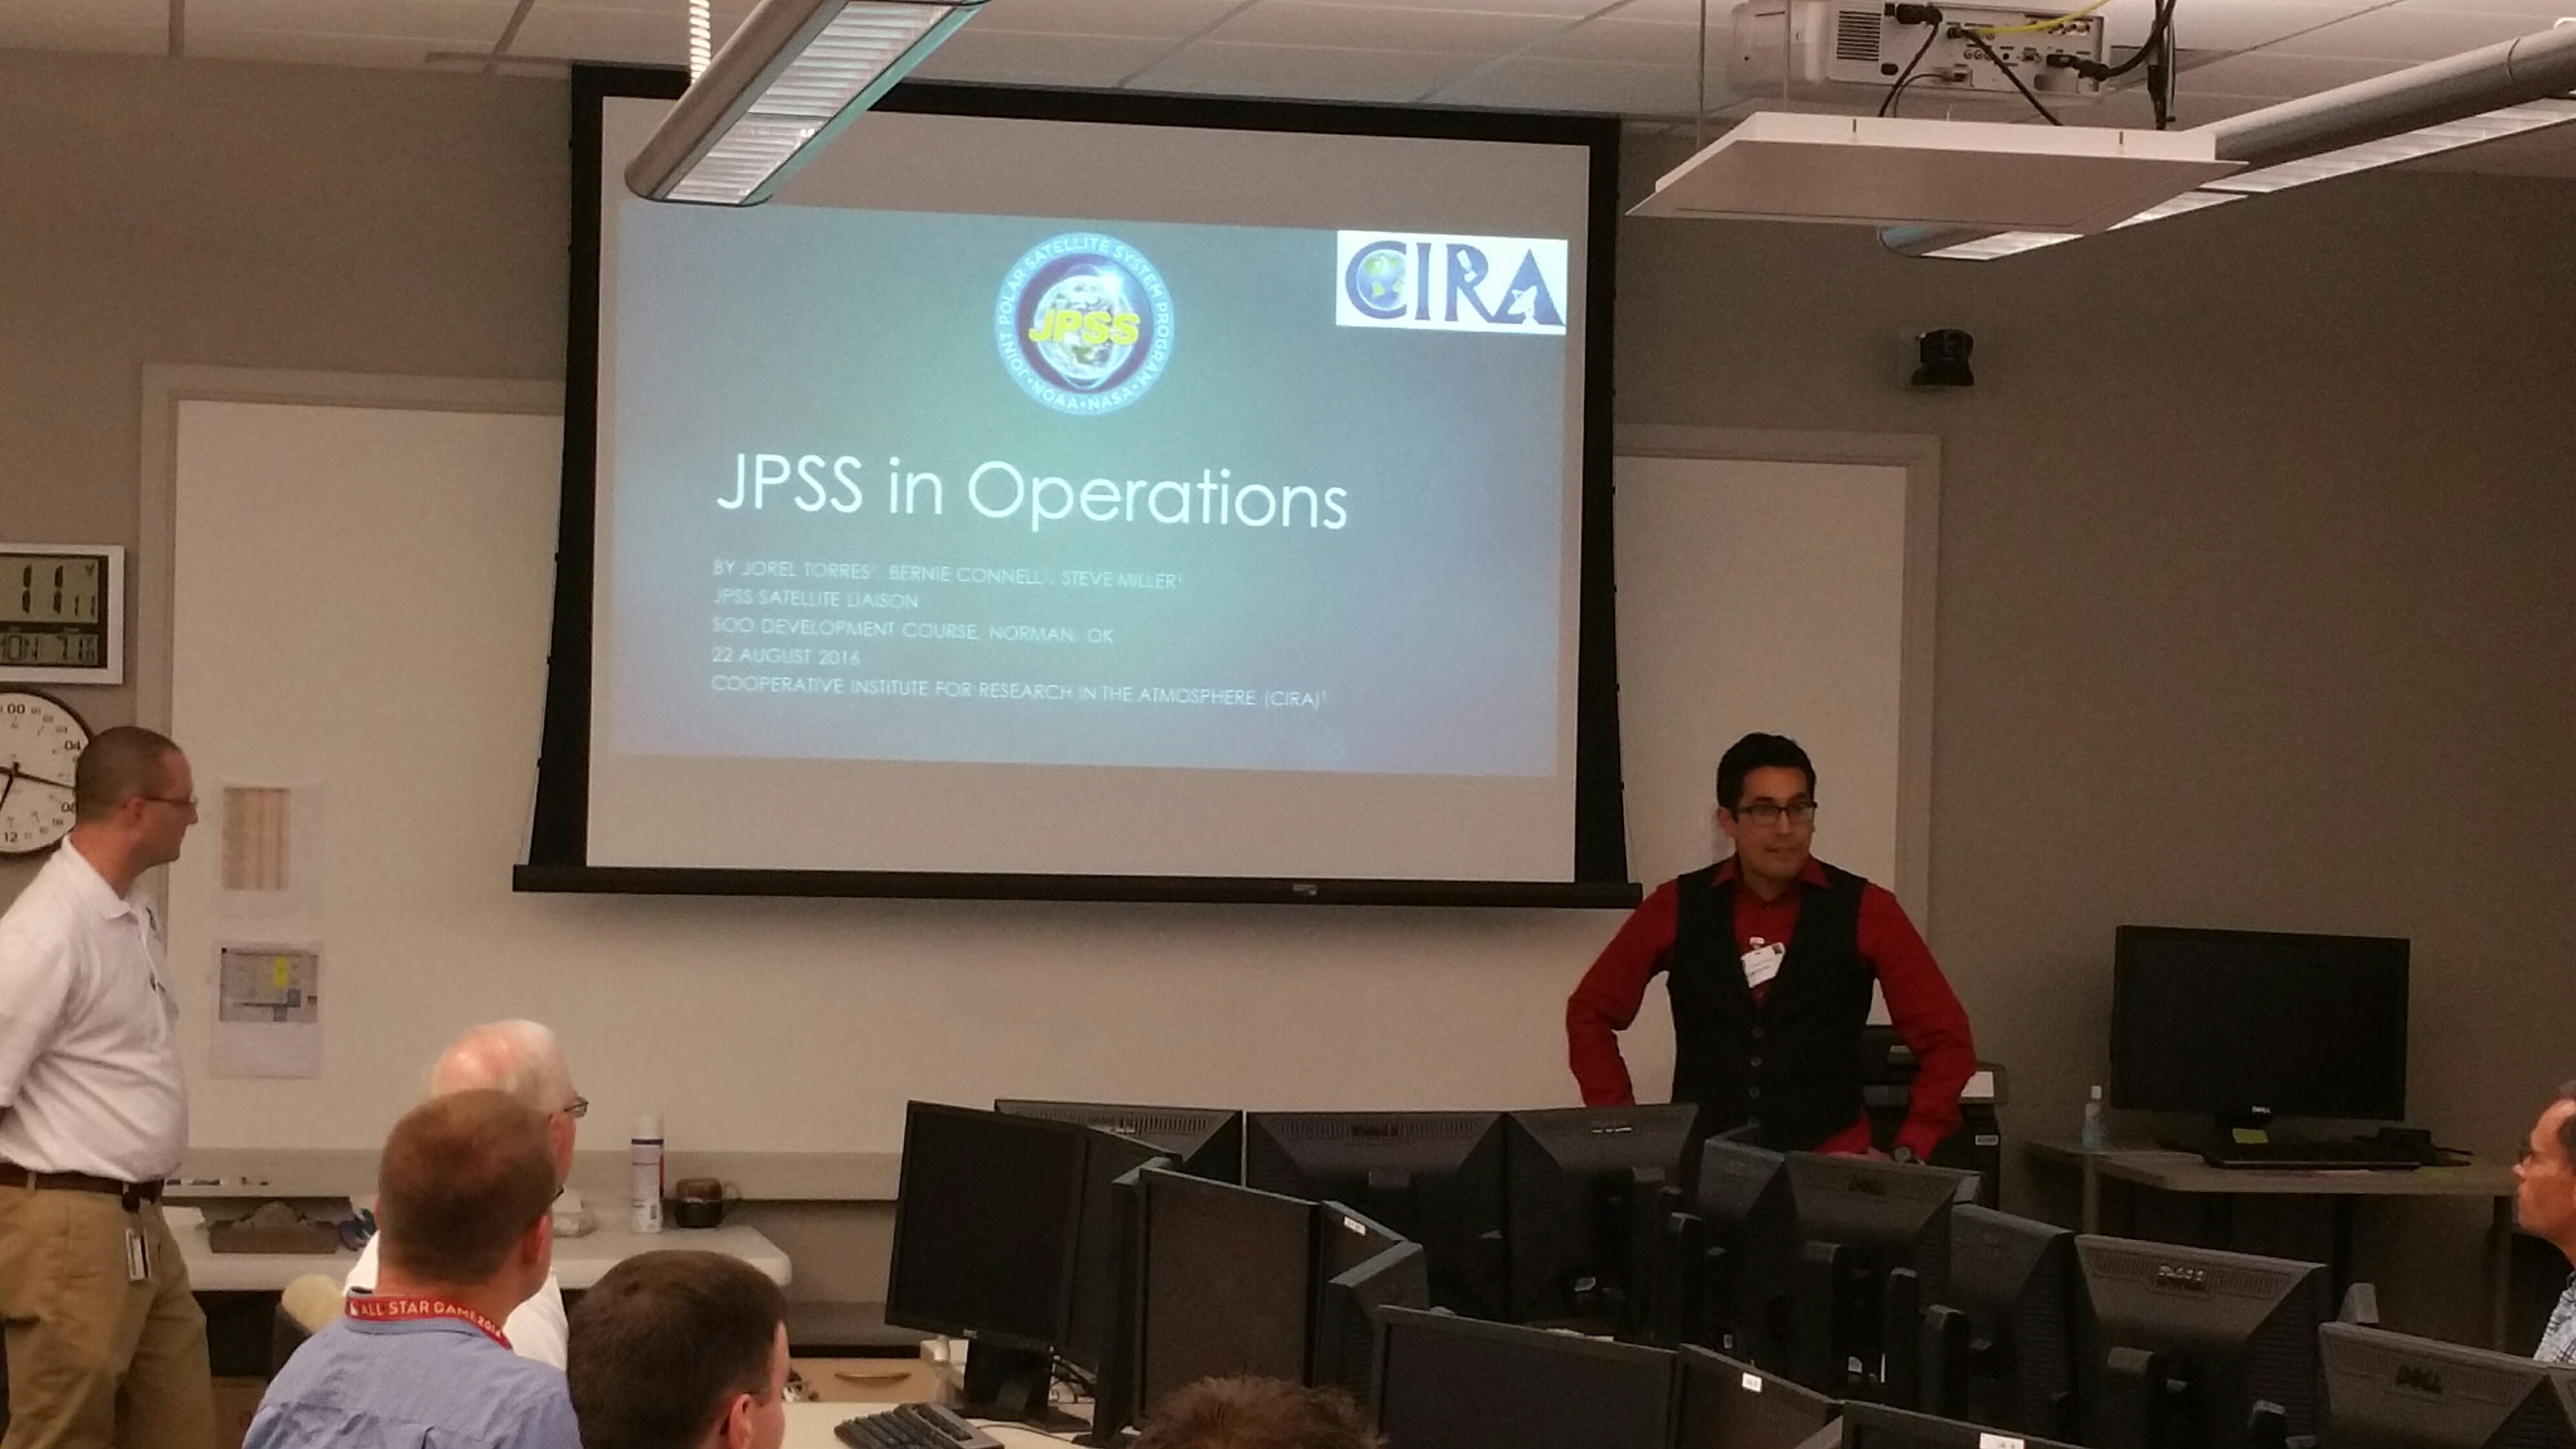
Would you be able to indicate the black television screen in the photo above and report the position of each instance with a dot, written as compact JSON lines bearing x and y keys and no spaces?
{"x":2247,"y":1023}
{"x":1445,"y":1382}
{"x":1229,"y":1284}
{"x":987,"y":1225}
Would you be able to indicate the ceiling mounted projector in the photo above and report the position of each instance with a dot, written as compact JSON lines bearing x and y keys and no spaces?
{"x":1880,"y":171}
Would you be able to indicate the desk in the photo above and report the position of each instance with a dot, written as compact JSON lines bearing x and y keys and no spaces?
{"x":809,"y":1426}
{"x":579,"y":1262}
{"x":2185,"y":1174}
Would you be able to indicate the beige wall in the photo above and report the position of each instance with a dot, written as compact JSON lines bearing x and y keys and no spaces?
{"x":2255,"y":604}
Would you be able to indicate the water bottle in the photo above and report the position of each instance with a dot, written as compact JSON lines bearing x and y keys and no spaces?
{"x":644,"y":1161}
{"x":2091,"y":1140}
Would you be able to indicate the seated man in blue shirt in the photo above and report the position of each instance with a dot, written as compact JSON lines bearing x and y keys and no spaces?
{"x":680,"y":1350}
{"x":462,"y":1193}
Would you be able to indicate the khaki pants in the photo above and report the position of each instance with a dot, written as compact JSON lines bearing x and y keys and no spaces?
{"x":95,"y":1360}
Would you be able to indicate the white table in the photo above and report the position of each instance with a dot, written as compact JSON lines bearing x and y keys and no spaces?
{"x":809,"y":1426}
{"x":579,"y":1262}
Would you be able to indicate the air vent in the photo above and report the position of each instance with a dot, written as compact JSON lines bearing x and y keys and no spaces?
{"x":1856,"y":35}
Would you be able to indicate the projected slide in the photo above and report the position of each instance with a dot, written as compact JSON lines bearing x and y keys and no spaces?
{"x":915,"y":486}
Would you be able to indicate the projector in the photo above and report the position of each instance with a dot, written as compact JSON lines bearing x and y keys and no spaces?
{"x":1854,"y":52}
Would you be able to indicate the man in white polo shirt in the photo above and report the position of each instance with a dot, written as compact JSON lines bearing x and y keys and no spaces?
{"x":105,"y":1343}
{"x":522,"y":1059}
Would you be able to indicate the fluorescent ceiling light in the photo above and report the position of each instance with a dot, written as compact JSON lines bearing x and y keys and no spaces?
{"x":1806,"y":166}
{"x":788,"y":81}
{"x":2408,"y":146}
{"x":2176,"y":206}
{"x":2001,"y":244}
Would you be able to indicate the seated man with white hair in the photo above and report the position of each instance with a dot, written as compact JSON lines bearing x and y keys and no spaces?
{"x":522,"y":1059}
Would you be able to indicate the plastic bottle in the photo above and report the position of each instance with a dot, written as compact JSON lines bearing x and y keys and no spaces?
{"x":2091,"y":1140}
{"x":644,"y":1159}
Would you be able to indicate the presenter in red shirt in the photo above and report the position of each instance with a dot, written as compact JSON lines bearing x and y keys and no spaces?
{"x":1771,"y":954}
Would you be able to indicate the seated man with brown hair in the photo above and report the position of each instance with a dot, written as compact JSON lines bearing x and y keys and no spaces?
{"x":462,"y":1193}
{"x":680,"y":1350}
{"x":1249,"y":1413}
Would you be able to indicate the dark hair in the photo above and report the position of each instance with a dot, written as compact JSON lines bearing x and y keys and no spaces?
{"x":117,"y":765}
{"x":462,"y":1179}
{"x":1758,"y":752}
{"x":2567,"y":1128}
{"x":660,"y":1348}
{"x":1250,"y":1413}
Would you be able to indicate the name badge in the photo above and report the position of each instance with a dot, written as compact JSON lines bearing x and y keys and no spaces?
{"x":1763,"y":961}
{"x":138,"y":1258}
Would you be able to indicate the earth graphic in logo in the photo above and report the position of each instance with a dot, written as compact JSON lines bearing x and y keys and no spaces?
{"x":1379,"y":279}
{"x":1084,"y":323}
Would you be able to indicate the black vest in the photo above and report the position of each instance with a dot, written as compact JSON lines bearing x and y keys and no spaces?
{"x":1791,"y":1062}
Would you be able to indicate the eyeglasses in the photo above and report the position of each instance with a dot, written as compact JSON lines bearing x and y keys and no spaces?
{"x":1763,"y":812}
{"x":579,"y":1109}
{"x":184,"y":802}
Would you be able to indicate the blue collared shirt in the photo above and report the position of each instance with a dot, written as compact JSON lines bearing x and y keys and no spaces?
{"x":429,"y":1383}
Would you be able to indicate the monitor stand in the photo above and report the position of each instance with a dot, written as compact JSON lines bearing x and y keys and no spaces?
{"x":1011,"y":1384}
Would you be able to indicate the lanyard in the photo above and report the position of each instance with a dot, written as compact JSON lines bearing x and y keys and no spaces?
{"x":410,"y":1309}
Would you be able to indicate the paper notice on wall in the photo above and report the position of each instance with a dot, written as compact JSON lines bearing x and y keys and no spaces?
{"x":272,"y":852}
{"x":268,"y":1009}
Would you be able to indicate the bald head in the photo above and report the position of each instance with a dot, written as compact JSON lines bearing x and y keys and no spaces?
{"x":522,"y":1060}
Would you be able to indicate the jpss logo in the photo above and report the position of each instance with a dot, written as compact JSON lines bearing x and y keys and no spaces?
{"x":1084,"y":323}
{"x":1450,"y":283}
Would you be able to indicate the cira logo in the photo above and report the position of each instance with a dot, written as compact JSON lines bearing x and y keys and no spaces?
{"x":1450,"y":283}
{"x":1084,"y":323}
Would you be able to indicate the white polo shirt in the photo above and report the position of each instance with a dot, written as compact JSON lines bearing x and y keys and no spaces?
{"x":90,"y":1079}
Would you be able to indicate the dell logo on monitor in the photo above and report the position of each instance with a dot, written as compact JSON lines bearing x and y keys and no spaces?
{"x":2422,"y":1380}
{"x":2189,"y":1280}
{"x":1450,"y":283}
{"x":1867,"y":1187}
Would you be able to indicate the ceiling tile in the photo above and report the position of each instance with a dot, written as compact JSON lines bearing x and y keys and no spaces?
{"x":1013,"y":58}
{"x":1154,"y":19}
{"x":1454,"y":32}
{"x":1637,"y":42}
{"x":590,"y":32}
{"x":2409,"y":35}
{"x":439,"y":23}
{"x":295,"y":48}
{"x":21,"y":30}
{"x":1312,"y":72}
{"x":1538,"y":83}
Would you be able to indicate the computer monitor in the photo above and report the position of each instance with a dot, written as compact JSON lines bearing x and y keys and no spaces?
{"x":1876,"y":1426}
{"x":1748,"y":1239}
{"x":2392,"y":1391}
{"x":2193,"y":1345}
{"x":1584,"y":1186}
{"x":1203,"y":1141}
{"x":1364,"y":1266}
{"x":1100,"y":1258}
{"x":1726,"y":1403}
{"x":1445,"y":1382}
{"x":1435,"y":1177}
{"x":1873,"y":1248}
{"x":987,"y":1234}
{"x":1228,"y":1284}
{"x":2246,"y":1025}
{"x":1999,"y":1345}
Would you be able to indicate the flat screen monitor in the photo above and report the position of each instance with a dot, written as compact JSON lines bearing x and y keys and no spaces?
{"x":1999,"y":1345}
{"x":1875,"y":1426}
{"x":1873,"y":1248}
{"x":1201,"y":1141}
{"x":1445,"y":1382}
{"x":1584,"y":1192}
{"x":1749,"y":1231}
{"x":987,"y":1226}
{"x":1435,"y":1177}
{"x":2180,"y":1345}
{"x":1726,"y":1403}
{"x":2247,"y":1024}
{"x":1364,"y":1267}
{"x":1228,"y":1284}
{"x":2392,"y":1391}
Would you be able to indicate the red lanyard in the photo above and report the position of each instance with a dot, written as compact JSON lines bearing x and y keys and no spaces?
{"x":407,"y":1309}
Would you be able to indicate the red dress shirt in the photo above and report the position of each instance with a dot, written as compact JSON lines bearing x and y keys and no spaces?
{"x":1925,"y":1011}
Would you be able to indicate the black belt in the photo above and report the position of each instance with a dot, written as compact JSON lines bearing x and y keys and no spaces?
{"x":131,"y":1193}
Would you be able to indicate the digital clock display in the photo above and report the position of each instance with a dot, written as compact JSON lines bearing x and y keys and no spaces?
{"x":58,"y":614}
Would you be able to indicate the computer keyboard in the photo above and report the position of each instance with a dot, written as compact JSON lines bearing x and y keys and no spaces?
{"x":2313,"y":1156}
{"x":913,"y":1426}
